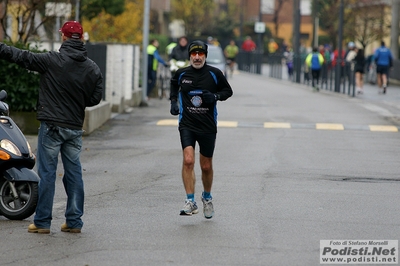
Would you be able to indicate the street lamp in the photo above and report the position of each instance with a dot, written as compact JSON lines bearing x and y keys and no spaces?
{"x":338,"y":72}
{"x":394,"y":29}
{"x":260,"y":20}
{"x":296,"y":38}
{"x":77,"y":10}
{"x":145,"y":43}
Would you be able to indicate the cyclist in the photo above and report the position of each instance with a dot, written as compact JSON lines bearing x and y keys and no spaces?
{"x":179,"y":55}
{"x":231,"y":51}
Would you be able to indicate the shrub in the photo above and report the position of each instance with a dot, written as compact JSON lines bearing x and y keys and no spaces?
{"x":22,"y":85}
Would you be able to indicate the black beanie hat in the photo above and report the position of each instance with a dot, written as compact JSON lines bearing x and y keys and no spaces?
{"x":197,"y":46}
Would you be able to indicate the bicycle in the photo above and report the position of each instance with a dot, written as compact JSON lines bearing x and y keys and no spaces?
{"x":164,"y":83}
{"x":231,"y":67}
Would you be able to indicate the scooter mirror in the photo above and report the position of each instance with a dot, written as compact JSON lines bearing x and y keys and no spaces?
{"x":3,"y":95}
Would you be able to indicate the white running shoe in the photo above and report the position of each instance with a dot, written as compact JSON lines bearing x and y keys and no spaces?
{"x":189,"y":208}
{"x":208,"y":208}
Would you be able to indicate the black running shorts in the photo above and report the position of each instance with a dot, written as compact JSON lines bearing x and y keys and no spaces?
{"x":382,"y":69}
{"x":206,"y":141}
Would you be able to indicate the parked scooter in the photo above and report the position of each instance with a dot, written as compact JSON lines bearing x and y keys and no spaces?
{"x":18,"y":182}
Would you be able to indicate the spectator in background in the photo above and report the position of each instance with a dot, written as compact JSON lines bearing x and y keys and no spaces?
{"x":216,"y":42}
{"x":314,"y":61}
{"x":351,"y":54}
{"x":328,"y":55}
{"x":283,"y":47}
{"x":327,"y":58}
{"x":153,"y":59}
{"x":288,"y":55}
{"x":371,"y":69}
{"x":231,"y":51}
{"x":359,"y":68}
{"x":210,"y":40}
{"x":213,"y":41}
{"x":248,"y":45}
{"x":349,"y":57}
{"x":384,"y":60}
{"x":272,"y":47}
{"x":350,"y":47}
{"x":170,"y":47}
{"x":180,"y":52}
{"x":303,"y":55}
{"x":179,"y":56}
{"x":336,"y":59}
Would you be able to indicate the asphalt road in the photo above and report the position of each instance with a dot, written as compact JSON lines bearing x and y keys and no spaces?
{"x":292,"y":167}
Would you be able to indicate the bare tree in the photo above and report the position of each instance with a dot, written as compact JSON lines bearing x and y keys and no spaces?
{"x":369,"y":22}
{"x":276,"y":12}
{"x":197,"y":15}
{"x":30,"y":15}
{"x":27,"y":14}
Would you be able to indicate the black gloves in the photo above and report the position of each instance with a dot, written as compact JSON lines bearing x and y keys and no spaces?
{"x":174,"y":108}
{"x":209,"y":97}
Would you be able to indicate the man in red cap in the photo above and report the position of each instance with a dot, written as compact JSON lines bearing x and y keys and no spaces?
{"x":70,"y":82}
{"x":72,"y":30}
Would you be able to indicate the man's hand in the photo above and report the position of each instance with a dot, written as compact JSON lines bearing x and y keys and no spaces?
{"x":210,"y":97}
{"x":174,"y":108}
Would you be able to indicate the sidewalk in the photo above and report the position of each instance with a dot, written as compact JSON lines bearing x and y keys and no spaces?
{"x":389,"y":102}
{"x":371,"y":93}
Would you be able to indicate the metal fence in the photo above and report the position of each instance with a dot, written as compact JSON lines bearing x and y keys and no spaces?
{"x":98,"y":53}
{"x":301,"y":74}
{"x":338,"y":79}
{"x":250,"y":61}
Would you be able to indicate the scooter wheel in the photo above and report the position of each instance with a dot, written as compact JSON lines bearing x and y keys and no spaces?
{"x":21,"y":207}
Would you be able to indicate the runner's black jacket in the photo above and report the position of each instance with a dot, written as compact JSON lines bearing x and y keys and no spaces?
{"x":187,"y":86}
{"x":69,"y":82}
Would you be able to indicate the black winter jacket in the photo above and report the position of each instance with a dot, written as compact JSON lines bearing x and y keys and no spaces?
{"x":180,"y":53}
{"x":69,"y":82}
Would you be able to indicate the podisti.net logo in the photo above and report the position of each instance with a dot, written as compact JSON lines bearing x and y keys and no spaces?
{"x":359,"y":251}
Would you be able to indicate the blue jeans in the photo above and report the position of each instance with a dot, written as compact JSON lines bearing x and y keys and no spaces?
{"x":53,"y":140}
{"x":152,"y":79}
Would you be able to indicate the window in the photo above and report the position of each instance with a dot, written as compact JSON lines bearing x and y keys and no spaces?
{"x":267,"y":6}
{"x":305,"y":7}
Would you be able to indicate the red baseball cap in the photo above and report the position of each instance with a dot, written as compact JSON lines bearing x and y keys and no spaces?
{"x":72,"y":29}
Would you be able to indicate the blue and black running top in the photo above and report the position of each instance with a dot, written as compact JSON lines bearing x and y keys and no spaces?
{"x":187,"y":86}
{"x":383,"y":56}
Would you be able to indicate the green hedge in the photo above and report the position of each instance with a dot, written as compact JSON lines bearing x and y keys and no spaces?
{"x":22,"y":85}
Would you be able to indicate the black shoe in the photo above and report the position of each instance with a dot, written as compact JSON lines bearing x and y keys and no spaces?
{"x":384,"y":89}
